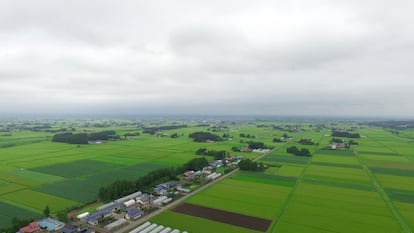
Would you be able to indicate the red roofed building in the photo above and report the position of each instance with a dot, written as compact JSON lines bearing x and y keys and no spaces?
{"x":32,"y":227}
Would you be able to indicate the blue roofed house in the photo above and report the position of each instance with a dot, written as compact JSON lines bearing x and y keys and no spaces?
{"x":51,"y":224}
{"x":133,"y":213}
{"x":69,"y":229}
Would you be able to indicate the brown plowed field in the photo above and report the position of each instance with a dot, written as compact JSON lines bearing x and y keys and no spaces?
{"x":240,"y":220}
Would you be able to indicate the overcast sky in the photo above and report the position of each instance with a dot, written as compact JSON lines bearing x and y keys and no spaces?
{"x":296,"y":57}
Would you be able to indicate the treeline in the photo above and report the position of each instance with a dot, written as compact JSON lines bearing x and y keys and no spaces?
{"x":130,"y":134}
{"x":121,"y":188}
{"x":242,"y":135}
{"x":299,"y":152}
{"x":306,"y":141}
{"x":204,"y":137}
{"x":16,"y":224}
{"x":83,"y":138}
{"x":80,"y":138}
{"x":345,"y":134}
{"x":393,"y":124}
{"x":217,"y":154}
{"x":104,"y":135}
{"x":256,"y":145}
{"x":250,"y":165}
{"x":154,"y":130}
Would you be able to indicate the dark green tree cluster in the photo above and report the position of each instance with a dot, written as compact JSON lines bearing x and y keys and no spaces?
{"x":121,"y":188}
{"x":83,"y":138}
{"x":129,"y":134}
{"x":299,"y":152}
{"x":277,"y":140}
{"x":154,"y":130}
{"x":195,"y":164}
{"x":304,"y":141}
{"x":217,"y":154}
{"x":104,"y":135}
{"x":242,"y":135}
{"x":174,"y":135}
{"x":337,"y":140}
{"x":345,"y":134}
{"x":80,"y":138}
{"x":16,"y":224}
{"x":256,"y":145}
{"x":250,"y":165}
{"x":204,"y":137}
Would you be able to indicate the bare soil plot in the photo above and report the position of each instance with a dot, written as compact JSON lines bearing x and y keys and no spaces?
{"x":240,"y":220}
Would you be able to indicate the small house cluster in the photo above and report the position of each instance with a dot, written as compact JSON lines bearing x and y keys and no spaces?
{"x":338,"y":146}
{"x":131,"y":205}
{"x":52,"y":225}
{"x":261,"y":150}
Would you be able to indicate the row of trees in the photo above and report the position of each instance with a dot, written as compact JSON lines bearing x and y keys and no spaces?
{"x":250,"y":165}
{"x":121,"y":188}
{"x":242,"y":135}
{"x":299,"y":152}
{"x":83,"y":138}
{"x":153,"y":130}
{"x":345,"y":134}
{"x":256,"y":145}
{"x":217,"y":154}
{"x":304,"y":141}
{"x":204,"y":137}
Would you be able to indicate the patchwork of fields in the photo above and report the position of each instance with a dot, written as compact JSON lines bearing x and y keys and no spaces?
{"x":366,"y":190}
{"x":35,"y":172}
{"x":369,"y":188}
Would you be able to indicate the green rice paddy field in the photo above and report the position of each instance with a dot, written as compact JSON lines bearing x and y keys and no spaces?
{"x":368,"y":188}
{"x":35,"y":172}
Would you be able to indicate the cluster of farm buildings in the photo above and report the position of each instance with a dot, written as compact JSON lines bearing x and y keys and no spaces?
{"x":132,"y":207}
{"x":52,"y":225}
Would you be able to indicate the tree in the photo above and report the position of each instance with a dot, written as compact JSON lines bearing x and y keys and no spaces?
{"x":62,"y":216}
{"x":302,"y":152}
{"x":46,"y":211}
{"x":250,"y":165}
{"x":256,"y":145}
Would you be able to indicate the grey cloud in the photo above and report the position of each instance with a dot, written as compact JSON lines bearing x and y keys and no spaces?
{"x":314,"y":57}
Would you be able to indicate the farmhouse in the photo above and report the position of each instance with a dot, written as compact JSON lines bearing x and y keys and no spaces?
{"x":335,"y":146}
{"x":193,"y":175}
{"x":50,"y":224}
{"x":133,"y":213}
{"x":82,"y":215}
{"x":162,"y":189}
{"x":181,"y":189}
{"x":32,"y":227}
{"x":216,"y":163}
{"x":94,"y":217}
{"x":143,"y":200}
{"x":188,"y":173}
{"x":130,"y":196}
{"x":245,"y":149}
{"x":129,"y":203}
{"x":70,"y":229}
{"x":74,"y":229}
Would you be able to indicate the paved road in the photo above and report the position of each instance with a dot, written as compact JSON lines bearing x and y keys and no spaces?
{"x":180,"y":200}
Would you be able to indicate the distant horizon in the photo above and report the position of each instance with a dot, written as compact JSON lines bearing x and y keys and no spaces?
{"x":169,"y":116}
